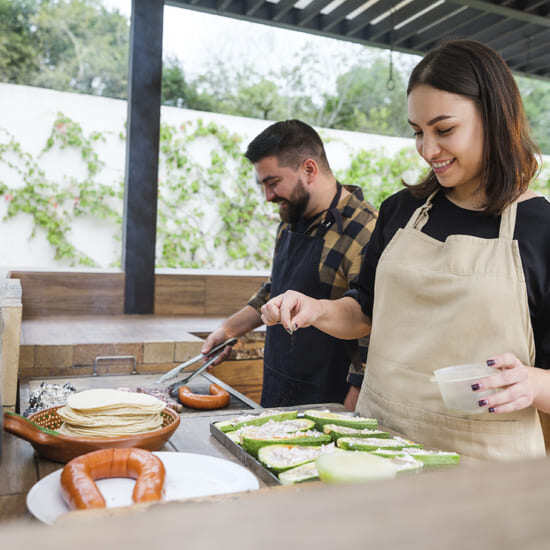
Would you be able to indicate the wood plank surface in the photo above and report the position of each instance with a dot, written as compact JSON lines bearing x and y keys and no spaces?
{"x":494,"y":505}
{"x":225,"y":296}
{"x":18,"y":470}
{"x":245,"y":376}
{"x":105,"y":329}
{"x":13,"y":507}
{"x":180,"y":295}
{"x":68,"y":293}
{"x":47,"y":293}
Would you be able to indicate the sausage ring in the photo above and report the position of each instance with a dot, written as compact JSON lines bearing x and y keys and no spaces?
{"x":78,"y":476}
{"x":217,"y":399}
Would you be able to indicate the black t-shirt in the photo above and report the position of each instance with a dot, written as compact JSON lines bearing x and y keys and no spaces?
{"x":532,"y":232}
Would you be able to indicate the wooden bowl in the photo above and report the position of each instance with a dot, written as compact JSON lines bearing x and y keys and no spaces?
{"x":37,"y":430}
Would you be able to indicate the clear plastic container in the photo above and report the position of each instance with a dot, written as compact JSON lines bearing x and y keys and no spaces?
{"x":455,"y":385}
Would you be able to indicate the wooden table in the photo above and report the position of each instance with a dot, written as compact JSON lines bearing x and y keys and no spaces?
{"x":20,"y":468}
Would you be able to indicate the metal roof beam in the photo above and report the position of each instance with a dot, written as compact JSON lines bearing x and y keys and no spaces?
{"x":492,"y":32}
{"x":364,"y":20}
{"x":516,"y":54}
{"x":253,"y":6}
{"x":282,"y":8}
{"x":413,"y":28}
{"x":505,"y":11}
{"x":541,"y":68}
{"x":387,"y":24}
{"x":532,"y":62}
{"x":510,"y":50}
{"x":332,"y":19}
{"x":506,"y":39}
{"x":312,"y":11}
{"x":446,"y":28}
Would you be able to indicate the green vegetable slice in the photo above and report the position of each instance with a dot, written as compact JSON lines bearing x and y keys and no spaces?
{"x":353,"y":467}
{"x":257,"y":420}
{"x":326,"y":417}
{"x":306,"y":472}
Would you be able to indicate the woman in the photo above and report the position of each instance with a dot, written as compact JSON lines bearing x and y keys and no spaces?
{"x":462,"y":264}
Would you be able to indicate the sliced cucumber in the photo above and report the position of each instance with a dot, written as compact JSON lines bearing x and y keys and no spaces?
{"x":389,"y":453}
{"x":279,"y":458}
{"x":270,"y":428}
{"x":252,"y":444}
{"x":336,"y":432}
{"x":434,"y":458}
{"x":326,"y":417}
{"x":351,"y":467}
{"x":374,"y":443}
{"x":253,"y":420}
{"x":235,"y":436}
{"x":306,"y":472}
{"x":406,"y":463}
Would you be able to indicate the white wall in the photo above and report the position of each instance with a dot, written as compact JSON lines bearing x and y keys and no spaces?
{"x":28,"y":114}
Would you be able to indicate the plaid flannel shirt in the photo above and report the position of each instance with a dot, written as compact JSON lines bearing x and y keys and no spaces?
{"x":345,"y":242}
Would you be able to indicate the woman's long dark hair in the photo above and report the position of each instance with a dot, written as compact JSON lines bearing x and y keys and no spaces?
{"x":473,"y":70}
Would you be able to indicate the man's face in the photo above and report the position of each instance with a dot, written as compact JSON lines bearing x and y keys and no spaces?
{"x":283,"y":185}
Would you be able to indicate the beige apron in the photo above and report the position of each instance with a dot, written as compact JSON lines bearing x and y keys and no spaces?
{"x":448,"y":303}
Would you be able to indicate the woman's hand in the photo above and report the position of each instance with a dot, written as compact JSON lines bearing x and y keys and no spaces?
{"x":292,"y":309}
{"x":519,"y":390}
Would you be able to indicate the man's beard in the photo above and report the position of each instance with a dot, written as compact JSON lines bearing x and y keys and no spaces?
{"x":296,"y":205}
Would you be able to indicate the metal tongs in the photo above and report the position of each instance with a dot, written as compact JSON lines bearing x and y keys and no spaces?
{"x":212,"y":356}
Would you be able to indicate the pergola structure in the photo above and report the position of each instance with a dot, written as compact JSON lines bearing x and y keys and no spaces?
{"x":519,"y":30}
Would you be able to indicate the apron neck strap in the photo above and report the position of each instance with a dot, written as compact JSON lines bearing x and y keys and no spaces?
{"x":420,"y":215}
{"x":508,"y":222}
{"x":333,"y":214}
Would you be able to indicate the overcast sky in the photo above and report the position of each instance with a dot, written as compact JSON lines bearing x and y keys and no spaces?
{"x":194,"y":37}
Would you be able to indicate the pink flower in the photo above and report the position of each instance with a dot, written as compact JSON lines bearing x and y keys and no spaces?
{"x":61,"y":127}
{"x":8,"y":197}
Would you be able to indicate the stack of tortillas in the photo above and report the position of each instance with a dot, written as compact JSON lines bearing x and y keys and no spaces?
{"x":110,"y":413}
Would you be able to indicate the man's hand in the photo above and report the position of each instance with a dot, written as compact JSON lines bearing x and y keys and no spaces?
{"x":293,"y":310}
{"x":214,"y":339}
{"x":350,"y":402}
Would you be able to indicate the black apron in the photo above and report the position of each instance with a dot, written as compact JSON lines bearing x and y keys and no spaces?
{"x":308,"y":366}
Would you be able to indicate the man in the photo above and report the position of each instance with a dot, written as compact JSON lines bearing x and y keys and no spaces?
{"x":324,"y":229}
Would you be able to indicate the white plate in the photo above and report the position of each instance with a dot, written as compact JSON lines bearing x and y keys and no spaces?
{"x":187,"y":475}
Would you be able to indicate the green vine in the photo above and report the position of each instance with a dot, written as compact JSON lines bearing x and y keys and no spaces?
{"x":207,"y":209}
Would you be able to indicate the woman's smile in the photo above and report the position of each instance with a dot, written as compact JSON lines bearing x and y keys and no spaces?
{"x":442,"y":166}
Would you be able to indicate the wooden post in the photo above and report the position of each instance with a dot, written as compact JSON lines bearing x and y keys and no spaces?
{"x":142,"y":147}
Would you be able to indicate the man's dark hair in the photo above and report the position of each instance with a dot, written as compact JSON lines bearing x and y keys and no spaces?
{"x":475,"y":71}
{"x":291,"y":142}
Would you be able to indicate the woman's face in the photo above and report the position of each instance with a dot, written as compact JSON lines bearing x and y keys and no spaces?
{"x":449,"y":137}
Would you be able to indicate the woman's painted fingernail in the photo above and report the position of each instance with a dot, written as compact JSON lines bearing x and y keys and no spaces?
{"x":491,"y":409}
{"x":482,"y":402}
{"x":491,"y":362}
{"x":475,"y":387}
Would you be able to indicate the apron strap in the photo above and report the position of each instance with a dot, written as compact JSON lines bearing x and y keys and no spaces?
{"x":333,"y":214}
{"x":508,"y":222}
{"x":420,"y":215}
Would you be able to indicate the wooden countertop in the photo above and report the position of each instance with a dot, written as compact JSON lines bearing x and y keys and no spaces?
{"x":500,"y":506}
